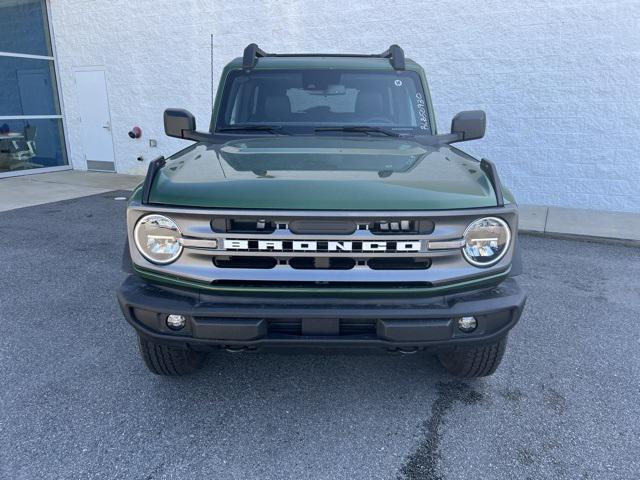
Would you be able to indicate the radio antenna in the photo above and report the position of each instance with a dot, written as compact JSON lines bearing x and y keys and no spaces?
{"x":212,"y":72}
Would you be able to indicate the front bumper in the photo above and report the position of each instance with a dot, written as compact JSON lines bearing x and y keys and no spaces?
{"x":250,"y":322}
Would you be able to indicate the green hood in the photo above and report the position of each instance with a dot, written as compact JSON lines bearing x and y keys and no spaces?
{"x":322,"y":173}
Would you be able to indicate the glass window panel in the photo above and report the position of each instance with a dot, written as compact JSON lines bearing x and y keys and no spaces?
{"x":304,"y":100}
{"x":27,"y":144}
{"x":27,"y":87}
{"x":24,"y":27}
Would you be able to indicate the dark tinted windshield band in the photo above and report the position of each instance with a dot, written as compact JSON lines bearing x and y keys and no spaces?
{"x":303,"y":100}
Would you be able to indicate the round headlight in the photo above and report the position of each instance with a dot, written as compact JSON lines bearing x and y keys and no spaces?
{"x":157,"y":238}
{"x":486,"y":240}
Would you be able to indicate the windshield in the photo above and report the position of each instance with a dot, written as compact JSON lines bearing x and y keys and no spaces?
{"x":302,"y":101}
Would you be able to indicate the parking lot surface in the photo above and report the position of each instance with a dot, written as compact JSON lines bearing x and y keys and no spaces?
{"x":77,"y":402}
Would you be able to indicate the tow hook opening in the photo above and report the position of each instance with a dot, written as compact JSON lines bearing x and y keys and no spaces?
{"x":237,"y":349}
{"x":405,"y":351}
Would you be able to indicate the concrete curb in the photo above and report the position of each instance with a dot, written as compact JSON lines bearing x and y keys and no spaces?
{"x":38,"y":189}
{"x":592,"y":225}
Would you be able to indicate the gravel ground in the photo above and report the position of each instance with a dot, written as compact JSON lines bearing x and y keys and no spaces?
{"x":77,"y":402}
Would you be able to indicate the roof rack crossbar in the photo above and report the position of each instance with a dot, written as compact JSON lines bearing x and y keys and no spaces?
{"x":395,"y":54}
{"x":252,"y":52}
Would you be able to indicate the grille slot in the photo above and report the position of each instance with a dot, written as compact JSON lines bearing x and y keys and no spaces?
{"x":286,"y":327}
{"x":355,"y":327}
{"x":323,"y":227}
{"x":399,"y":263}
{"x":401,"y":226}
{"x":347,"y":327}
{"x":321,"y":263}
{"x":307,"y":263}
{"x":245,"y":262}
{"x":243,"y":225}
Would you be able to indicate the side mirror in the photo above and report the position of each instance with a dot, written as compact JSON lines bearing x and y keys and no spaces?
{"x":179,"y":123}
{"x":469,"y":125}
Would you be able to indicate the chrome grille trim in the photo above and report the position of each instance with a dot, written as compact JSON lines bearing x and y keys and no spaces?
{"x":213,"y":244}
{"x":282,"y":234}
{"x":265,"y":253}
{"x":199,"y":243}
{"x":446,"y":244}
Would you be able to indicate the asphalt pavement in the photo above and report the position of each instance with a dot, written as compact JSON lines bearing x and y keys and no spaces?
{"x":77,"y":402}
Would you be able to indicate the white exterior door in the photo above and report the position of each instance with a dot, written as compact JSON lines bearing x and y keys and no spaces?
{"x":95,"y":119}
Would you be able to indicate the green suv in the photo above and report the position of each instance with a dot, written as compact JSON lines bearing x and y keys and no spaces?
{"x":322,"y":208}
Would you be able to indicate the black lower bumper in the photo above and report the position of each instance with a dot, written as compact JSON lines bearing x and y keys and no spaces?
{"x":249,"y":321}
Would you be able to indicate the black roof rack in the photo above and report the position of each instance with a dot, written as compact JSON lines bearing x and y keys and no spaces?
{"x":252,"y":52}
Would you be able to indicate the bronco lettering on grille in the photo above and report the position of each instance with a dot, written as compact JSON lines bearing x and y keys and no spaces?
{"x":319,"y":246}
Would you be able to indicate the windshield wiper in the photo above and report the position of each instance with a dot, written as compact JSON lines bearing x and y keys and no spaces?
{"x":359,"y":129}
{"x":255,"y":128}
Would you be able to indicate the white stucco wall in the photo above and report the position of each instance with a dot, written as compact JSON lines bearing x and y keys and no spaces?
{"x":560,"y":81}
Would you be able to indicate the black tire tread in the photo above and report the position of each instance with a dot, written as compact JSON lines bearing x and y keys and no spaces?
{"x":167,"y":360}
{"x":477,"y":361}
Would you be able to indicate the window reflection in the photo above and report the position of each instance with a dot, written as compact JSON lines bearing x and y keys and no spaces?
{"x":24,"y":28}
{"x":27,"y":144}
{"x":31,"y":134}
{"x":27,"y":87}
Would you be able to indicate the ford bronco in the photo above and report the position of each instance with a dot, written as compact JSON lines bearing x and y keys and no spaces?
{"x":322,"y":208}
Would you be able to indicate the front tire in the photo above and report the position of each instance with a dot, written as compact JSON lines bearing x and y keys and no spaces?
{"x":167,"y":360}
{"x":476,"y":361}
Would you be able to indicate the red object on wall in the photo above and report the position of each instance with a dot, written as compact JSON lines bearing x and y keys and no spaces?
{"x":135,"y":132}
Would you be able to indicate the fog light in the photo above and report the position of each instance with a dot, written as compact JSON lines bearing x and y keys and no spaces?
{"x":467,"y":324}
{"x":176,"y":322}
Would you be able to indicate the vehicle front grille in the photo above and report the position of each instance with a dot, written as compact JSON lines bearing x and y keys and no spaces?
{"x":321,"y":250}
{"x":305,"y":244}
